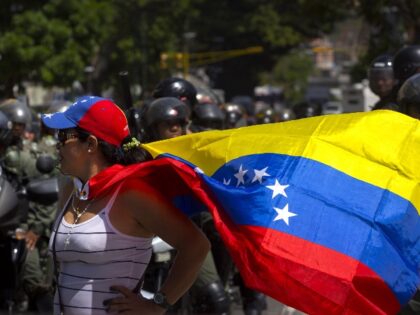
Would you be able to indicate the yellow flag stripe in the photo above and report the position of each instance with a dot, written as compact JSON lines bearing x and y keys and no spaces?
{"x":380,"y":147}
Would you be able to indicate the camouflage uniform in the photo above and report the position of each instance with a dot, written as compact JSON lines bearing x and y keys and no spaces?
{"x":37,"y":272}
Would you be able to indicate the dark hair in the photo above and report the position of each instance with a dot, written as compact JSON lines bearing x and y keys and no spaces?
{"x":118,"y":155}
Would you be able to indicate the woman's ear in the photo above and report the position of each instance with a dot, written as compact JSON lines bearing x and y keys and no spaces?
{"x":92,"y":143}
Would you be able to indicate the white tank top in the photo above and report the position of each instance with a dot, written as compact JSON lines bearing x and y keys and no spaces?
{"x":96,"y":257}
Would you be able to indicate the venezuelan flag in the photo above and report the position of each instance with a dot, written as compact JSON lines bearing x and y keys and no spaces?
{"x":320,"y":213}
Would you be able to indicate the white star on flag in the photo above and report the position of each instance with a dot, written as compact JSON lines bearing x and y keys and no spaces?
{"x":48,"y":115}
{"x":198,"y":170}
{"x":284,"y":214}
{"x":226,"y":182}
{"x":259,"y":175}
{"x":240,"y":176}
{"x":278,"y":189}
{"x":83,"y":101}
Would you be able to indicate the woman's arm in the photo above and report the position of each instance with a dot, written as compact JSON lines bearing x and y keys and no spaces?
{"x":176,"y":229}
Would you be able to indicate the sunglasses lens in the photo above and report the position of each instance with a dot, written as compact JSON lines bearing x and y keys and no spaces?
{"x":63,"y":136}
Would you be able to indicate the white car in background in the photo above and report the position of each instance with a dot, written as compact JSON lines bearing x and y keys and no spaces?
{"x":332,"y":107}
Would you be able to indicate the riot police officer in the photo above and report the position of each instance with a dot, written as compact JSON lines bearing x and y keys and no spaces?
{"x":409,"y":101}
{"x":285,"y":114}
{"x":235,"y":115}
{"x":207,"y":116}
{"x":19,"y":158}
{"x":5,"y":132}
{"x":307,"y":109}
{"x":382,"y":83}
{"x":409,"y":96}
{"x":165,"y":118}
{"x":406,"y":63}
{"x":20,"y":162}
{"x":265,"y":116}
{"x":179,"y":88}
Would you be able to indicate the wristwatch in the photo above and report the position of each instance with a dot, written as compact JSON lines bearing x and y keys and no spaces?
{"x":160,"y":299}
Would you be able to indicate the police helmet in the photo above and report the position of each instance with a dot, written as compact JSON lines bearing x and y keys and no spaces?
{"x":406,"y":62}
{"x":409,"y":95}
{"x":307,"y":109}
{"x":206,"y":95}
{"x":177,"y":87}
{"x":16,"y":111}
{"x":165,"y":109}
{"x":381,"y":66}
{"x":235,"y":115}
{"x":5,"y":128}
{"x":266,"y":116}
{"x":286,"y":114}
{"x":208,"y":116}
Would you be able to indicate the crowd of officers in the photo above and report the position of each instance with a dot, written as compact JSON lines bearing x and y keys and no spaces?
{"x":176,"y":109}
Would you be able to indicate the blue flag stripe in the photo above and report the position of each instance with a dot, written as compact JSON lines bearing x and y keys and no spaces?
{"x":327,"y":207}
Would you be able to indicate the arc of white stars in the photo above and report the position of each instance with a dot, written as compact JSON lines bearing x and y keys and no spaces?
{"x":240,"y":176}
{"x":226,"y":182}
{"x":284,"y":214}
{"x":259,"y":174}
{"x":278,"y":189}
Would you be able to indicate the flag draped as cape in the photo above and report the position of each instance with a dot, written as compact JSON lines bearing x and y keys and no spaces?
{"x":321,"y":213}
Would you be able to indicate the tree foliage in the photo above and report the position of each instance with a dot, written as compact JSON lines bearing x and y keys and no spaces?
{"x":291,"y":72}
{"x":53,"y":42}
{"x":392,"y":24}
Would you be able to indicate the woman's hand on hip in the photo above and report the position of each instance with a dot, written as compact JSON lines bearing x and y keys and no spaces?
{"x":131,"y":304}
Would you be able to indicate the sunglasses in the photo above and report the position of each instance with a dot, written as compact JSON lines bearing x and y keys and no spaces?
{"x":63,"y":136}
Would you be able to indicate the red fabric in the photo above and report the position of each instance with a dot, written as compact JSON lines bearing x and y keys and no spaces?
{"x":282,"y":266}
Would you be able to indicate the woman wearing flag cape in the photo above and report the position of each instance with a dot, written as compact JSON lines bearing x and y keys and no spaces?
{"x":102,"y":240}
{"x":325,"y":208}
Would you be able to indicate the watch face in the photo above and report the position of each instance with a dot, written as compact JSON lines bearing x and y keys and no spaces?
{"x":159,"y":298}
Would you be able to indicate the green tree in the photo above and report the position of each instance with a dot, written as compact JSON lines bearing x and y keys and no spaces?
{"x":54,"y":41}
{"x":392,"y":24}
{"x":291,"y":72}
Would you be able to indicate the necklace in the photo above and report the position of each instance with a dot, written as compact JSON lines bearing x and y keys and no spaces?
{"x":78,"y":214}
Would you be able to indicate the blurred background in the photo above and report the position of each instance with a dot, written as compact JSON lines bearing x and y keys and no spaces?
{"x":278,"y":52}
{"x":246,"y":62}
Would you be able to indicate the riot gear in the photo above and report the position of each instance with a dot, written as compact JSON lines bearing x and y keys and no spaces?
{"x":286,"y":114}
{"x":406,"y":63}
{"x":163,"y":110}
{"x":206,"y":95}
{"x":5,"y":130}
{"x":20,"y":116}
{"x":16,"y":111}
{"x":207,"y":117}
{"x":409,"y":96}
{"x":179,"y":88}
{"x":305,"y":109}
{"x":266,"y":116}
{"x":235,"y":115}
{"x":381,"y":75}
